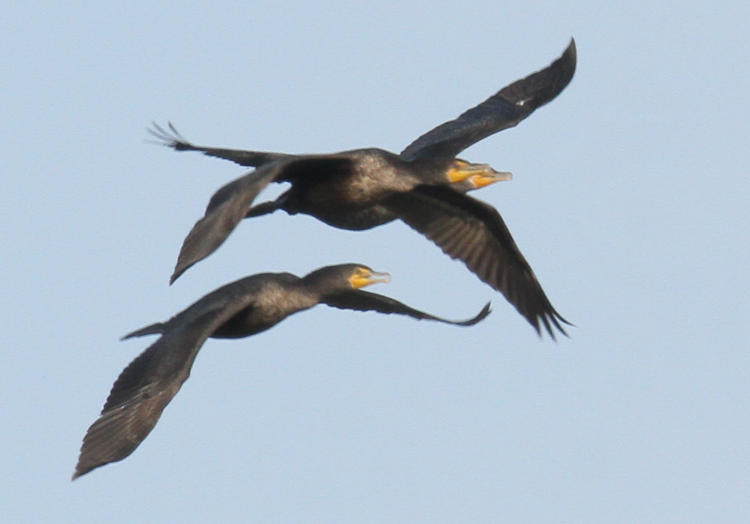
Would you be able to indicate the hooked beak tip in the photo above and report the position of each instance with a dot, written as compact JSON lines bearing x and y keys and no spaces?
{"x":503,"y":175}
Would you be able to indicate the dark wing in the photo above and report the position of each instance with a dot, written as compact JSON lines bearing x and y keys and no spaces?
{"x":504,"y":109}
{"x":231,"y":203}
{"x":148,"y":384}
{"x":226,"y":208}
{"x":365,"y":301}
{"x":172,"y":138}
{"x":474,"y":232}
{"x":151,"y":329}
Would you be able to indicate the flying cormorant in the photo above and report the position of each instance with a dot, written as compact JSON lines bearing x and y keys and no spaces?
{"x":240,"y":309}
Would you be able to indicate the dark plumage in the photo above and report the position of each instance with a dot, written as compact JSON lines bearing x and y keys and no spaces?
{"x":363,"y":188}
{"x":240,"y":309}
{"x":363,"y":217}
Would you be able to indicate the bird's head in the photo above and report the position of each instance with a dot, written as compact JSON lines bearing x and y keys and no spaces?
{"x":345,"y":277}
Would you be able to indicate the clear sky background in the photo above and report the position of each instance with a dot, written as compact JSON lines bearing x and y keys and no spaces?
{"x":630,"y":200}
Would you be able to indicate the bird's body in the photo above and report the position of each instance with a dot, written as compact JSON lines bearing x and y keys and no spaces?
{"x":278,"y":296}
{"x":346,"y":187}
{"x":424,"y":186}
{"x":271,"y":298}
{"x":239,"y":309}
{"x":347,"y":190}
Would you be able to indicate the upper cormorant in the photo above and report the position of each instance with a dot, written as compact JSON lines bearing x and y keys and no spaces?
{"x":366,"y":187}
{"x":359,"y":218}
{"x":240,"y":309}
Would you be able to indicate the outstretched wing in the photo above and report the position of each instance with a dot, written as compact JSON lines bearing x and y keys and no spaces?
{"x":227,"y":207}
{"x":148,"y":384}
{"x":172,"y":138}
{"x":474,"y":232}
{"x":365,"y":301}
{"x":504,"y":109}
{"x":231,"y":203}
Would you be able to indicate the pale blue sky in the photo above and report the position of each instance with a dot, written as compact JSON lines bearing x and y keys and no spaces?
{"x":630,"y":200}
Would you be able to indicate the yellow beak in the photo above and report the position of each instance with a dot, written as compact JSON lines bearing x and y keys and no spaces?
{"x":365,"y":278}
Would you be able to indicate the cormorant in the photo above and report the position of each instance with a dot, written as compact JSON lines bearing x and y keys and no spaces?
{"x":363,"y":217}
{"x":239,"y":309}
{"x":363,"y":188}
